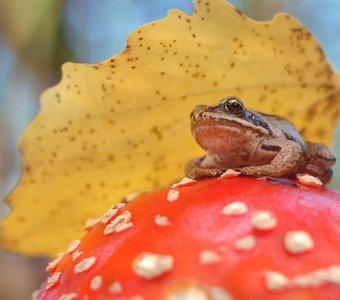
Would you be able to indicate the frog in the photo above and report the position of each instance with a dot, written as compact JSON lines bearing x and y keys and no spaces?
{"x":253,"y":143}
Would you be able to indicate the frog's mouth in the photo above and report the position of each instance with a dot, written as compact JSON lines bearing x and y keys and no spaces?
{"x":206,"y":120}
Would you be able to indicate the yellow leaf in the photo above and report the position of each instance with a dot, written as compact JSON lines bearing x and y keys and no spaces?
{"x":123,"y":125}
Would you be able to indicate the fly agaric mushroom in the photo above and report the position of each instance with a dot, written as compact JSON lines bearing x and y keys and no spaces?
{"x":222,"y":238}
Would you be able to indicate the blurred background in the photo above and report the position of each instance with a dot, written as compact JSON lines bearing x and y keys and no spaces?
{"x":37,"y":36}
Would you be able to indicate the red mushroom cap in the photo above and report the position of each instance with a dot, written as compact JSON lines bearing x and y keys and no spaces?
{"x":232,"y":238}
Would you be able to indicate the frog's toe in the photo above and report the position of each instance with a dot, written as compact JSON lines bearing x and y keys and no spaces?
{"x":326,"y":176}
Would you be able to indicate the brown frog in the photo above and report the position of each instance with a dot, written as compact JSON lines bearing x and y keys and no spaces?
{"x":253,"y":143}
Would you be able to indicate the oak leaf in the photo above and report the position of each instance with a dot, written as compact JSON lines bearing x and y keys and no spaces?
{"x":123,"y":125}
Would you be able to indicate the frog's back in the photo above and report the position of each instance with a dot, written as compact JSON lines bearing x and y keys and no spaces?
{"x":281,"y":127}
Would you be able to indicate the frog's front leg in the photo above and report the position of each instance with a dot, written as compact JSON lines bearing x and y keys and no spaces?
{"x":287,"y":161}
{"x":195,"y":171}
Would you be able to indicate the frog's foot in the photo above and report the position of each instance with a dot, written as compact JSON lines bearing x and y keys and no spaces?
{"x":319,"y":156}
{"x":194,"y":170}
{"x":320,"y":159}
{"x":325,"y":175}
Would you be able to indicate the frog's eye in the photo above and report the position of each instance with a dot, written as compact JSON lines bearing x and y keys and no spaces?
{"x":234,"y":105}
